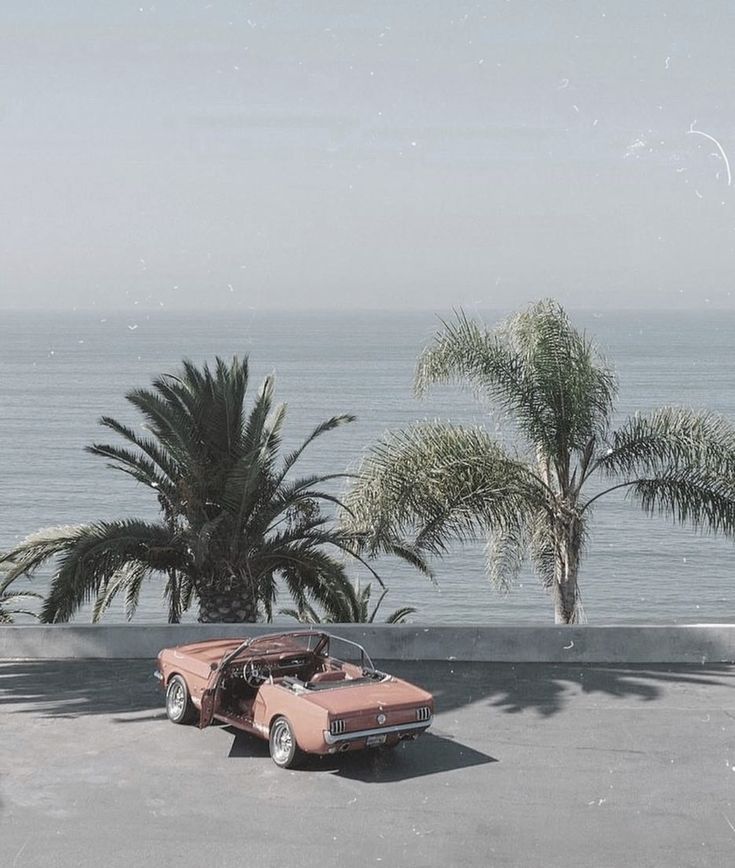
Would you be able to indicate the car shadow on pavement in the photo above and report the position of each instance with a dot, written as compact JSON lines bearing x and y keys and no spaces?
{"x":246,"y":746}
{"x":430,"y":754}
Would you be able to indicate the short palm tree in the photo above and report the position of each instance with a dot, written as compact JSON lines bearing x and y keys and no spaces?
{"x":233,"y":521}
{"x":349,"y":606}
{"x":535,"y":496}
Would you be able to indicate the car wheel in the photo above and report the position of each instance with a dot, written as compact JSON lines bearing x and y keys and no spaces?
{"x":179,"y":707}
{"x":285,"y":752}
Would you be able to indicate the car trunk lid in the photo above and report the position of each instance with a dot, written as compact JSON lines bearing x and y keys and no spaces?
{"x":363,"y":699}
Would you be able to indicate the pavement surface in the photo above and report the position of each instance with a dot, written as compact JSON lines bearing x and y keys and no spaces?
{"x":526,"y":765}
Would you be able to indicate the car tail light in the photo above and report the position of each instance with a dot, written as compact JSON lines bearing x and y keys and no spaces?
{"x":423,"y":713}
{"x":337,"y":727}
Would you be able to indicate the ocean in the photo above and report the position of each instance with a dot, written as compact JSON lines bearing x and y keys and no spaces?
{"x":62,"y":371}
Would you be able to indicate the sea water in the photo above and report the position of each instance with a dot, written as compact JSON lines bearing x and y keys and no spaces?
{"x":62,"y":371}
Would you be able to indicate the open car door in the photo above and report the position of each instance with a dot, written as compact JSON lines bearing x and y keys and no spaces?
{"x":210,"y":696}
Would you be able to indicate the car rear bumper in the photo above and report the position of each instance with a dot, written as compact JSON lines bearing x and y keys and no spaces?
{"x":399,"y":730}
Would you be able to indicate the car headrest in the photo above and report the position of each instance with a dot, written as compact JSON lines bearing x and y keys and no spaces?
{"x":331,"y":675}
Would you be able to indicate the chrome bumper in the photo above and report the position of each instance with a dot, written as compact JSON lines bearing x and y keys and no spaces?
{"x":398,"y":729}
{"x":157,"y":674}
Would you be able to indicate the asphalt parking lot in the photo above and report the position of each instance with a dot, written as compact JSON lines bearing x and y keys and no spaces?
{"x":526,"y":765}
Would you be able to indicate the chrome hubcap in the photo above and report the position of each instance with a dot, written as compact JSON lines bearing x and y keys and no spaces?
{"x":282,"y":742}
{"x":175,"y":699}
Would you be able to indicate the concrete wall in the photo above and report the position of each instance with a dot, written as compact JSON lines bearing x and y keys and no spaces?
{"x":707,"y":643}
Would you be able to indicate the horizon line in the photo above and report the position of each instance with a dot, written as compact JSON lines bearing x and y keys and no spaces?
{"x":113,"y":311}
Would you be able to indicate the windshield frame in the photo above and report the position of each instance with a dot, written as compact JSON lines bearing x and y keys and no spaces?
{"x":253,"y":642}
{"x":365,"y":662}
{"x":322,"y":647}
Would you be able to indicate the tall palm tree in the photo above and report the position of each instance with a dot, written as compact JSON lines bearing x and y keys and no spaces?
{"x":534,"y":496}
{"x":233,"y":520}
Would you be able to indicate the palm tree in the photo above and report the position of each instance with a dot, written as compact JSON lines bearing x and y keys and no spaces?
{"x":233,"y":521}
{"x":351,"y":605}
{"x":533,"y":495}
{"x":10,"y":598}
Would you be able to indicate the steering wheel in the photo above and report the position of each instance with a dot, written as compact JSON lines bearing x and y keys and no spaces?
{"x":253,"y":675}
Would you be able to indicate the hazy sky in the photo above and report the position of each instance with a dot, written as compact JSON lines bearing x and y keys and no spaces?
{"x":366,"y":154}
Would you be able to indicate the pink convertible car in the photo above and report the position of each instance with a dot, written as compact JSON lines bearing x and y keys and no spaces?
{"x":304,"y":691}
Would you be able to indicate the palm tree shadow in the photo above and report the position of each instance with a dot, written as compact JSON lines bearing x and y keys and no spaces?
{"x":548,"y":689}
{"x":71,"y":688}
{"x":126,"y":691}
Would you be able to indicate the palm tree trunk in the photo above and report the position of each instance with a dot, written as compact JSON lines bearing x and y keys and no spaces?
{"x":566,"y":609}
{"x":231,"y":602}
{"x":174,"y":601}
{"x":568,"y":532}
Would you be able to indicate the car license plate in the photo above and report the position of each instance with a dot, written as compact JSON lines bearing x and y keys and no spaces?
{"x":375,"y":740}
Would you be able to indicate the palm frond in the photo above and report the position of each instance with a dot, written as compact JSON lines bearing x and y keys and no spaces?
{"x":442,"y":482}
{"x":352,"y":608}
{"x":98,"y":554}
{"x":223,"y":420}
{"x":574,"y":384}
{"x":39,"y":547}
{"x":167,"y":421}
{"x":537,"y":369}
{"x":10,"y":598}
{"x":19,"y":595}
{"x":328,"y":425}
{"x":365,"y":599}
{"x":700,"y":499}
{"x":464,"y":352}
{"x":272,"y":435}
{"x":505,"y":551}
{"x":310,"y":573}
{"x":121,"y":580}
{"x":304,"y":615}
{"x":290,"y":494}
{"x":401,"y":549}
{"x":7,"y":616}
{"x":670,"y":438}
{"x":135,"y":465}
{"x":178,"y":593}
{"x":148,"y":447}
{"x":132,"y":591}
{"x":400,"y":616}
{"x":542,"y":548}
{"x":253,"y":435}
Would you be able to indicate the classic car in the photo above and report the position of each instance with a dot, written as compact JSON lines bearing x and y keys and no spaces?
{"x":306,"y":692}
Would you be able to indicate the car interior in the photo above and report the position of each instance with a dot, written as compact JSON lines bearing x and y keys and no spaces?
{"x":302,"y":671}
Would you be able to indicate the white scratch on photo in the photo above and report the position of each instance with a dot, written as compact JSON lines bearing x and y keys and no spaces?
{"x":692,"y":131}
